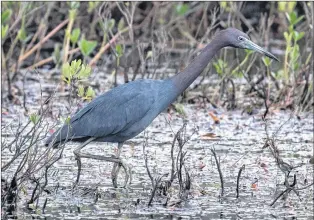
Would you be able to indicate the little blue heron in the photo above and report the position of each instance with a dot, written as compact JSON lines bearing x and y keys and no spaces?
{"x":125,"y":111}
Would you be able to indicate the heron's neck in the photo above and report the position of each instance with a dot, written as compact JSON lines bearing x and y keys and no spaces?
{"x":184,"y":79}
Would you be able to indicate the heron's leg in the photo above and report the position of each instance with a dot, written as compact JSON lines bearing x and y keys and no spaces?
{"x":116,"y":167}
{"x":78,"y":157}
{"x":114,"y":160}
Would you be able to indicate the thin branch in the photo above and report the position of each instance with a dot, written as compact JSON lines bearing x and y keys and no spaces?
{"x":219,"y":171}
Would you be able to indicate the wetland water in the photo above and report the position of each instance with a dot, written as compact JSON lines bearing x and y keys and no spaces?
{"x":238,"y":140}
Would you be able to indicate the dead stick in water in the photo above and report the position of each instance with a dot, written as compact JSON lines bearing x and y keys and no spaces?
{"x":219,"y":171}
{"x":238,"y":179}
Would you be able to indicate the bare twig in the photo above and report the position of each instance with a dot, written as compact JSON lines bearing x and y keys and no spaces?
{"x":219,"y":171}
{"x":238,"y":179}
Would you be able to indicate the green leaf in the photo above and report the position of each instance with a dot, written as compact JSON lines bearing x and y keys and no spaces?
{"x":90,"y":94}
{"x":293,"y":18}
{"x":74,"y":4}
{"x":281,"y":6}
{"x":287,"y":36}
{"x":67,"y":120}
{"x":22,"y":35}
{"x":121,"y":24}
{"x":266,"y":61}
{"x":57,"y":53}
{"x":179,"y":108}
{"x":109,"y":24}
{"x":223,"y":4}
{"x":84,"y":72}
{"x":279,"y":75}
{"x":34,"y":118}
{"x":181,"y":9}
{"x":75,"y":67}
{"x":149,"y":54}
{"x":298,"y":20}
{"x":295,"y":53}
{"x":248,"y":52}
{"x":75,"y":35}
{"x":66,"y":73}
{"x":297,"y":36}
{"x":92,"y":6}
{"x":4,"y":30}
{"x":5,"y":16}
{"x":119,"y":50}
{"x":286,"y":6}
{"x":220,"y":66}
{"x":87,"y":47}
{"x":291,"y":5}
{"x":80,"y":91}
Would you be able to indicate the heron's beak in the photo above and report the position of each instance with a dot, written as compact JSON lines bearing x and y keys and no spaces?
{"x":250,"y":45}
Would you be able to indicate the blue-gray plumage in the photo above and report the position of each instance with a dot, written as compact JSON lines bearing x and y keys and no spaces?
{"x":121,"y":113}
{"x":126,"y":110}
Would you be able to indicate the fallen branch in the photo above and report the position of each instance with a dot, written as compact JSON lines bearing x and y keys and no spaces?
{"x":105,"y":47}
{"x":39,"y":44}
{"x":50,"y":59}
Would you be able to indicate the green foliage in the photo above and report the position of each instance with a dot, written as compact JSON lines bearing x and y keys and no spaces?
{"x":74,"y":5}
{"x":220,"y":66}
{"x":5,"y":18}
{"x":225,"y":5}
{"x":181,"y":9}
{"x":179,"y":108}
{"x":266,"y":61}
{"x":293,"y":19}
{"x":92,"y":6}
{"x":66,"y":120}
{"x":109,"y":24}
{"x":6,"y":15}
{"x":75,"y":35}
{"x":286,"y":6}
{"x":84,"y":72}
{"x":292,"y":54}
{"x":75,"y":71}
{"x":121,"y":24}
{"x":22,"y":36}
{"x":57,"y":54}
{"x":34,"y":118}
{"x":119,"y":50}
{"x":80,"y":91}
{"x":4,"y":30}
{"x":89,"y":94}
{"x":87,"y":47}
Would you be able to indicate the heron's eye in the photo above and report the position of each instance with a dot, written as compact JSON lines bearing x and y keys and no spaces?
{"x":240,"y":38}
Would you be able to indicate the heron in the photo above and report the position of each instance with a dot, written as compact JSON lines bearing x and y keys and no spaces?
{"x":126,"y":110}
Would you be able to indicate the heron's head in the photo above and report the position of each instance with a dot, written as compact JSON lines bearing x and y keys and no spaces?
{"x":234,"y":38}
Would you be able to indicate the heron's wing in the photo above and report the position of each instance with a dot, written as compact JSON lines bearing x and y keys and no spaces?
{"x":114,"y":111}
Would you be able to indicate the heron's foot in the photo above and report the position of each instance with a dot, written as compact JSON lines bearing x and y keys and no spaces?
{"x":115,"y":171}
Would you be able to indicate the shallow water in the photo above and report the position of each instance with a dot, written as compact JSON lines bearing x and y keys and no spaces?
{"x":239,"y":141}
